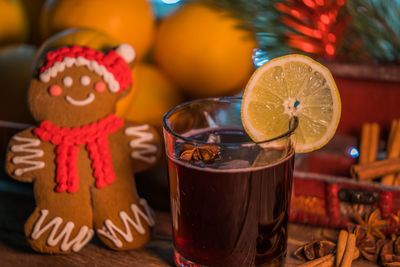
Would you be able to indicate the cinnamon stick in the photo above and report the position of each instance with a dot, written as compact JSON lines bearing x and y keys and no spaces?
{"x":392,"y":264}
{"x":375,"y":169}
{"x":374,"y":142}
{"x":396,"y":145}
{"x":328,"y":263}
{"x":356,"y":254}
{"x":341,"y":246}
{"x":393,"y":130}
{"x":327,"y":260}
{"x":364,"y":143}
{"x":393,"y":149}
{"x":349,"y":252}
{"x":369,"y":143}
{"x":396,"y":180}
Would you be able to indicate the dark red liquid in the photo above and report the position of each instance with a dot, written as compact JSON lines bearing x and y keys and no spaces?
{"x":231,"y":217}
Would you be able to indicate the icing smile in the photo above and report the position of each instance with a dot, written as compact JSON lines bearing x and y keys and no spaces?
{"x":89,"y":99}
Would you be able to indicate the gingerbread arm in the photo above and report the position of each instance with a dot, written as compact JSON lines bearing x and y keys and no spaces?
{"x":24,"y":156}
{"x":144,"y":143}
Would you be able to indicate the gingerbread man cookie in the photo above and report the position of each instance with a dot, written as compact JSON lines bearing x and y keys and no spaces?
{"x":81,"y":157}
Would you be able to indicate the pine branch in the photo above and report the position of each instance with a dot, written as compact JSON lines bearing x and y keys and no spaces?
{"x":377,"y":23}
{"x":261,"y":17}
{"x":287,"y":26}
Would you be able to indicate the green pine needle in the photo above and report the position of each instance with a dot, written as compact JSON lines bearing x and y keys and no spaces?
{"x":377,"y":23}
{"x":374,"y":33}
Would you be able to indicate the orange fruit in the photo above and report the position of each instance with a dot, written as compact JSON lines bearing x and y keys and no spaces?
{"x":125,"y":20}
{"x":204,"y":51}
{"x":81,"y":36}
{"x":16,"y":64}
{"x":13,"y":22}
{"x":84,"y":37}
{"x":151,"y":96}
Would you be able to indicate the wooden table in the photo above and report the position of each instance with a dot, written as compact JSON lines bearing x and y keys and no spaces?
{"x":16,"y":206}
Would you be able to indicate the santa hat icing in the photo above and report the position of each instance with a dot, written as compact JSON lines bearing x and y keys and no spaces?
{"x":112,"y":66}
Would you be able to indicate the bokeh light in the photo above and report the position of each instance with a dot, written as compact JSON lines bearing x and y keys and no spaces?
{"x":353,"y":152}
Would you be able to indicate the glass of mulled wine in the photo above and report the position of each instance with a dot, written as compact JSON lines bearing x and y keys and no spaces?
{"x":229,"y":195}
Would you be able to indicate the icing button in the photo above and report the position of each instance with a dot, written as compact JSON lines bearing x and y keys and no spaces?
{"x":85,"y":80}
{"x":67,"y":81}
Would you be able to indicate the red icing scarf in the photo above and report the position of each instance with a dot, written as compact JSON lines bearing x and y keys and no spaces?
{"x":68,"y":142}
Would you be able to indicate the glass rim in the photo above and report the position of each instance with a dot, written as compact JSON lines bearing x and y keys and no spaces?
{"x":293,"y":123}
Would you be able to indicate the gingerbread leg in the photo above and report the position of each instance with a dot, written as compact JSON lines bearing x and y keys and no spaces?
{"x":61,"y":222}
{"x":121,"y":219}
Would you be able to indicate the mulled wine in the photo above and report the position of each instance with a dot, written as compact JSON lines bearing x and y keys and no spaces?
{"x":229,"y":195}
{"x":232,"y":210}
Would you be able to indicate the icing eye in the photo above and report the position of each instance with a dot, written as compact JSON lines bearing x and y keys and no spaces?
{"x":55,"y":90}
{"x":100,"y":86}
{"x":85,"y":80}
{"x":67,"y":81}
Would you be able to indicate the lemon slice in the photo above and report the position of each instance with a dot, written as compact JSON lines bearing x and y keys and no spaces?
{"x":292,"y":85}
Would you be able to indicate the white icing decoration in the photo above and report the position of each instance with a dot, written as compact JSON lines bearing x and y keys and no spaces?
{"x":31,"y":153}
{"x":127,"y":52}
{"x":85,"y":80}
{"x":57,"y":66}
{"x":110,"y":231}
{"x":107,"y":77}
{"x":92,"y":65}
{"x":69,"y":61}
{"x":67,"y":81}
{"x":102,"y":69}
{"x":56,"y":235}
{"x":81,"y":61}
{"x":114,"y":87}
{"x":45,"y":77}
{"x":80,"y":103}
{"x":140,"y":146}
{"x":54,"y":73}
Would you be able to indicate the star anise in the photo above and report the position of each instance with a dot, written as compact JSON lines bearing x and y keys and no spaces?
{"x":370,"y":238}
{"x":370,"y":247}
{"x":372,"y":224}
{"x":389,"y":254}
{"x":205,"y":153}
{"x":394,"y":221}
{"x":314,"y":250}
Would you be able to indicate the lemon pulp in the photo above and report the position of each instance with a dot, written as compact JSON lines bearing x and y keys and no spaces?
{"x":292,"y":85}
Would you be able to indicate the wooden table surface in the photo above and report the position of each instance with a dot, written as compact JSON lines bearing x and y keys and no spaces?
{"x":14,"y":251}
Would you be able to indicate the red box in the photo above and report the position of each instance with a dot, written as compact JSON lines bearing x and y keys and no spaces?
{"x":324,"y":194}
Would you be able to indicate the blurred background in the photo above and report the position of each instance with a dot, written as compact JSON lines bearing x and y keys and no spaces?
{"x":193,"y":49}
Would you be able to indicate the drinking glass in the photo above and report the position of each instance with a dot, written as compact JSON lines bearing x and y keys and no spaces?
{"x":229,"y":195}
